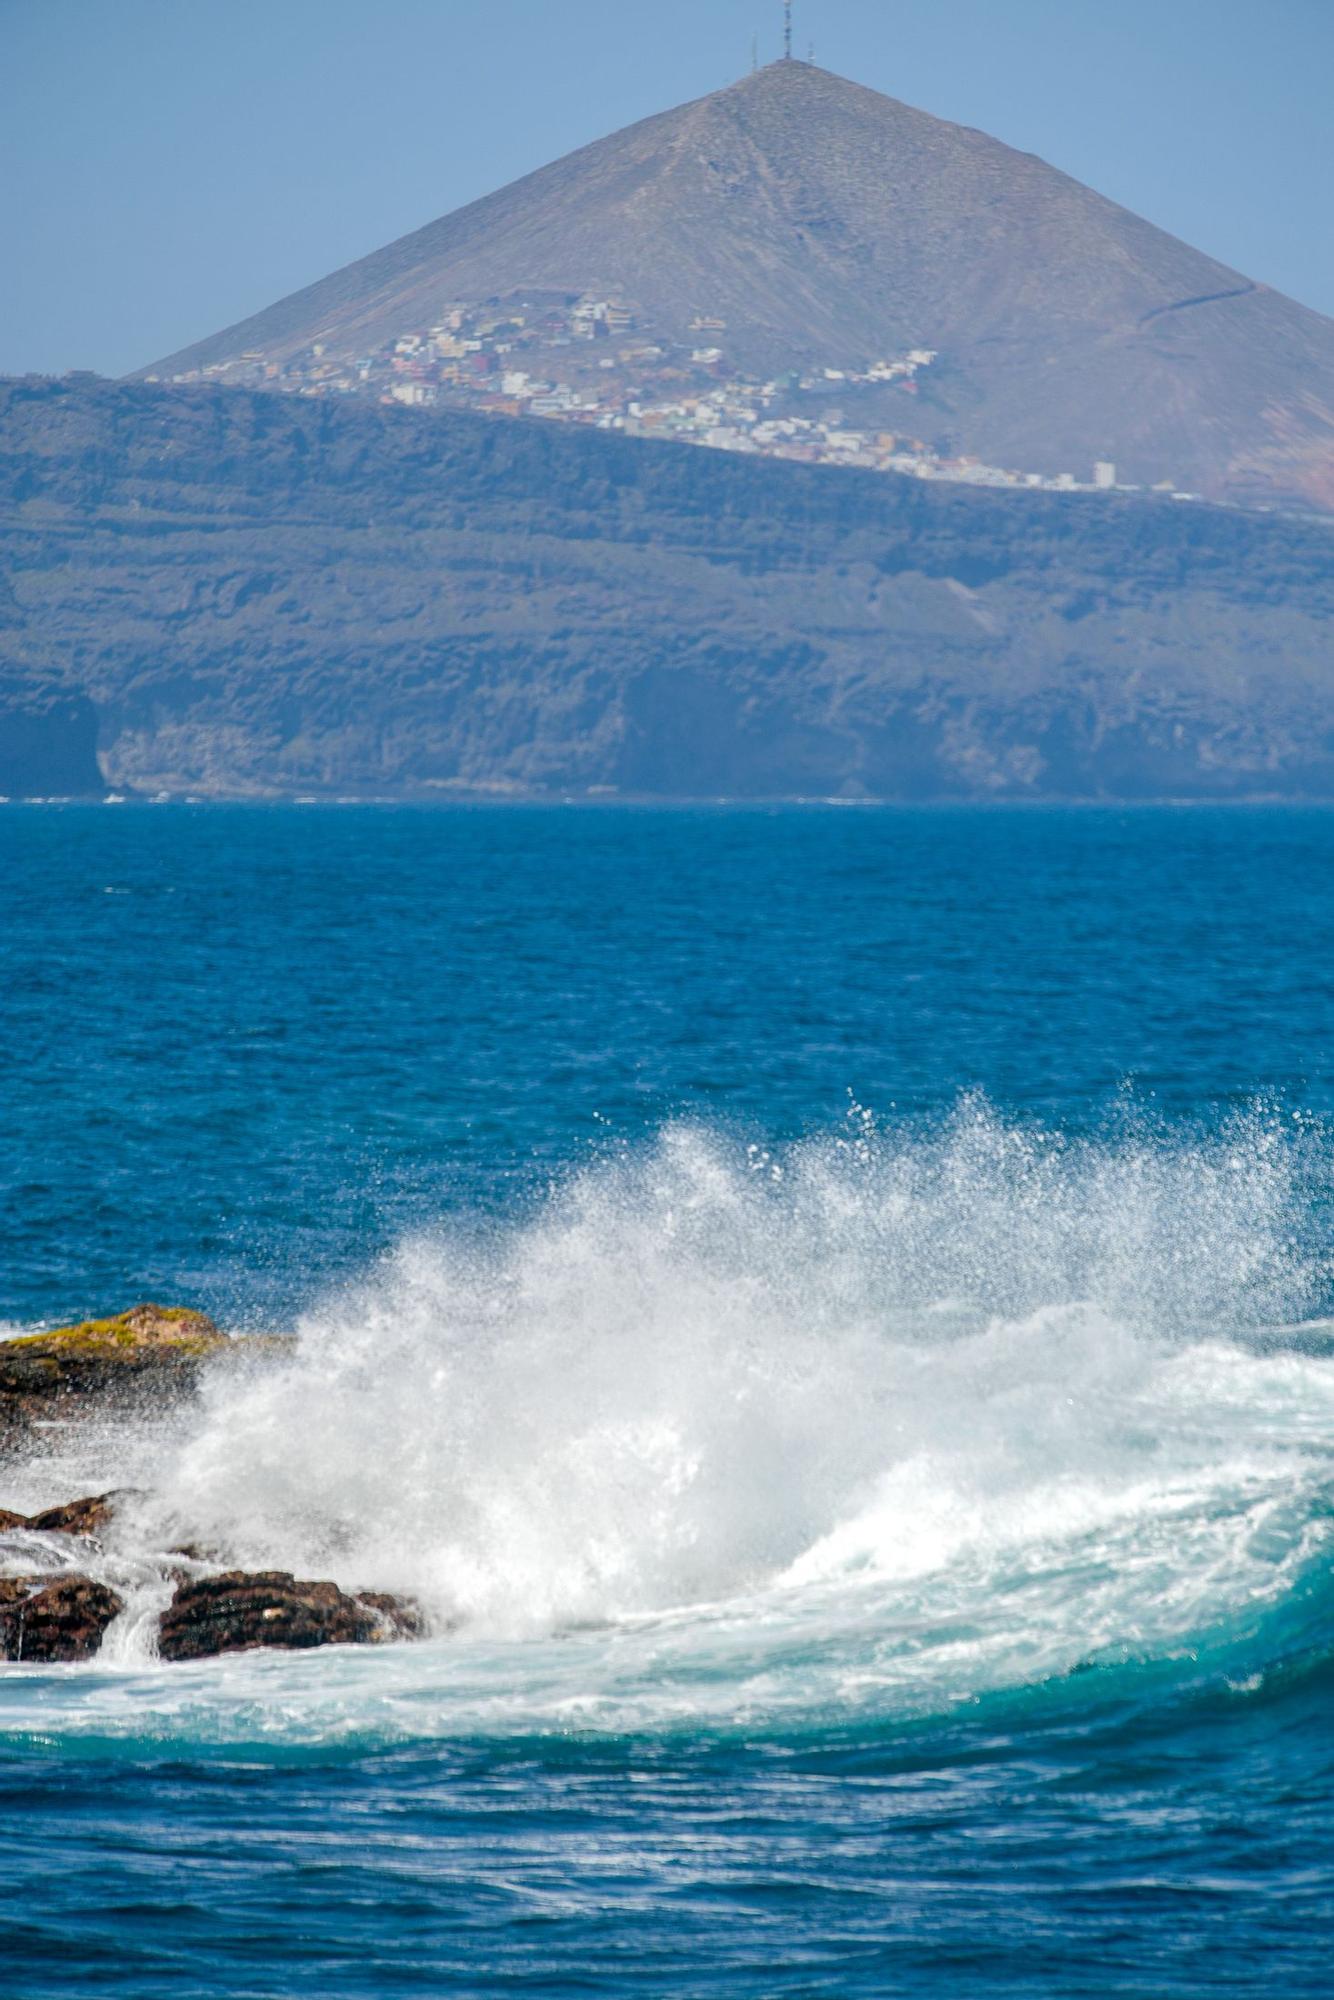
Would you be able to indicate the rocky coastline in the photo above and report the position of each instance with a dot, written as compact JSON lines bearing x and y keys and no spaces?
{"x":151,"y":1354}
{"x":57,"y":1611}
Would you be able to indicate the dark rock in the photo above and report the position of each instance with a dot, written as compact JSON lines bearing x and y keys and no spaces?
{"x":76,"y":1517}
{"x":46,"y":1620}
{"x":79,"y":1517}
{"x":239,"y":1611}
{"x":402,"y":1618}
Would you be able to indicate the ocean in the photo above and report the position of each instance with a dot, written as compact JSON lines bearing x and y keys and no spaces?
{"x":831,"y":1312}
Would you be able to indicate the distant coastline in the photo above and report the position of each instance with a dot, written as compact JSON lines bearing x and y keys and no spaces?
{"x":222,"y":592}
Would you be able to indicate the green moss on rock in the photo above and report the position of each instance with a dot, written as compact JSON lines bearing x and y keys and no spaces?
{"x":98,"y":1355}
{"x":143,"y":1326}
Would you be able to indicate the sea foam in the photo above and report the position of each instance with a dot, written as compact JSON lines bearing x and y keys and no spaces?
{"x":883,"y":1419}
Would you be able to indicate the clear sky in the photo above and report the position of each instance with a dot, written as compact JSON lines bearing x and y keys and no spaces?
{"x":169,"y":166}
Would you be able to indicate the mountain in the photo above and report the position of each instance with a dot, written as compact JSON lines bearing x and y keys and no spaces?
{"x":217,"y":591}
{"x":828,"y":227}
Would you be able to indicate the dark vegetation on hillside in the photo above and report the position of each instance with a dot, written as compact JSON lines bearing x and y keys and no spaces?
{"x":242,"y":593}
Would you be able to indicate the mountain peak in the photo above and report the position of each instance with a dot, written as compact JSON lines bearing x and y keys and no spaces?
{"x":798,"y":223}
{"x":787,"y":73}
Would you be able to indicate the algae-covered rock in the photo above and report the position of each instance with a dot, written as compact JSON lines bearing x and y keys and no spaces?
{"x":140,"y":1351}
{"x":46,"y":1621}
{"x":240,"y":1612}
{"x":146,"y":1336}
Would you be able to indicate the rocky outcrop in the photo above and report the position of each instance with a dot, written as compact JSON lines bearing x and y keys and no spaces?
{"x":150,"y":1351}
{"x":45,"y":1620}
{"x":78,"y":1517}
{"x":99,"y":1354}
{"x":400,"y":1617}
{"x":235,"y":1611}
{"x":212,"y":1611}
{"x":240,"y":1612}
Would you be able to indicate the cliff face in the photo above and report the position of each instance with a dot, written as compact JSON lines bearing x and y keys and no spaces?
{"x":263,"y":594}
{"x":819,"y":224}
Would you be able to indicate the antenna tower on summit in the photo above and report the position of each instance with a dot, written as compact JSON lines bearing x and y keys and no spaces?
{"x":787,"y":30}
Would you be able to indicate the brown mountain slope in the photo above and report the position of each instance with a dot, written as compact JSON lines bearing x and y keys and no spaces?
{"x":829,"y":225}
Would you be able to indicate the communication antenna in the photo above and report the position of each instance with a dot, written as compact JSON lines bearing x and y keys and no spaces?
{"x":754,"y":52}
{"x":787,"y":30}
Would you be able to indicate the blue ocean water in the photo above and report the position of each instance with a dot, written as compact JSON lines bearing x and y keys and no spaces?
{"x":831,"y":1311}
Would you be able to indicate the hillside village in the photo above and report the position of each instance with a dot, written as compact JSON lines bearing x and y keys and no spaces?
{"x":596,"y":361}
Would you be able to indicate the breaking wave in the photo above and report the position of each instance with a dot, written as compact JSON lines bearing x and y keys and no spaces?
{"x":873,"y":1425}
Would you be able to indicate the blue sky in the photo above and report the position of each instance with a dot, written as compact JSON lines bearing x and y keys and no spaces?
{"x":171,"y":165}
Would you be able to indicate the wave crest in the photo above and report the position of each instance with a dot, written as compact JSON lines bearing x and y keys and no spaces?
{"x":877,"y":1380}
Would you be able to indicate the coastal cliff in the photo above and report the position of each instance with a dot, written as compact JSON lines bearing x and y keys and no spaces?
{"x":268,"y":596}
